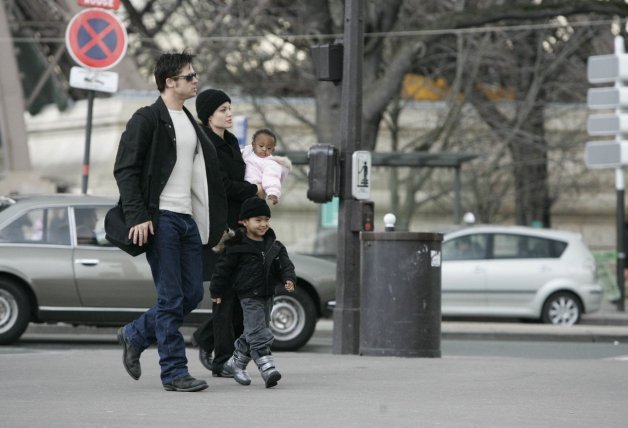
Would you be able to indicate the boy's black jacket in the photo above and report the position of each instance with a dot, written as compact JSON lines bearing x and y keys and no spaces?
{"x":252,"y":273}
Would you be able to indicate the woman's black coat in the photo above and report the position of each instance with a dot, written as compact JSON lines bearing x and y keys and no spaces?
{"x":233,"y":166}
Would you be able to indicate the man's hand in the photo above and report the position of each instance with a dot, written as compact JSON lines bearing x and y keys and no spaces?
{"x":289,"y":286}
{"x":217,"y":300}
{"x":139,"y":233}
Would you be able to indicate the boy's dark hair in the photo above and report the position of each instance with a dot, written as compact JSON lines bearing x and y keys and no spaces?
{"x":266,"y":131}
{"x":169,"y":65}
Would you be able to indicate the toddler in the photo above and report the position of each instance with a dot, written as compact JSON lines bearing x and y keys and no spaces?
{"x":264,"y":168}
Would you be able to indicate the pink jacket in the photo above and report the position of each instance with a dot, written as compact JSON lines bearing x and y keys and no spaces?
{"x":269,"y":171}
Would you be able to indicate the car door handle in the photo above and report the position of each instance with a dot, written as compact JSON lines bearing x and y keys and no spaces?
{"x":87,"y":262}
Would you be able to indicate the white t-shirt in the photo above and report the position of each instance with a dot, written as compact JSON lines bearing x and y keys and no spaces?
{"x":177,"y":195}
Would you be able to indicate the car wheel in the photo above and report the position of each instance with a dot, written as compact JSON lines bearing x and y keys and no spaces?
{"x":562,"y":309}
{"x":14,"y":311}
{"x":292,"y":320}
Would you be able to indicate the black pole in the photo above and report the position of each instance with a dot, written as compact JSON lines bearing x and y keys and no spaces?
{"x":457,"y":195}
{"x":621,"y":251}
{"x":347,"y":312}
{"x":88,"y":138}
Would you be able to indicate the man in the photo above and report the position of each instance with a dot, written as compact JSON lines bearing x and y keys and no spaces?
{"x":171,"y":192}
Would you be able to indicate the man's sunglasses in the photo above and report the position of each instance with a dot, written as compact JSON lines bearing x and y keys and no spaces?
{"x":188,"y":77}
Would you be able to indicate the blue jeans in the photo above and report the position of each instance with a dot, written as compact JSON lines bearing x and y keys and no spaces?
{"x":175,"y":259}
{"x":257,"y":337}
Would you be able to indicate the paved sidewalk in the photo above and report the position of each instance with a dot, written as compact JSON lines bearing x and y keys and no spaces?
{"x":80,"y":385}
{"x":606,"y":325}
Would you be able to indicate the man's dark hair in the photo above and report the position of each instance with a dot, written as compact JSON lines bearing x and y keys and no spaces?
{"x":169,"y":65}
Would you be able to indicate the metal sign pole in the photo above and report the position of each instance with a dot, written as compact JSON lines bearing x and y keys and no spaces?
{"x":619,"y":186}
{"x":621,"y":251}
{"x":88,"y":138}
{"x":614,"y":153}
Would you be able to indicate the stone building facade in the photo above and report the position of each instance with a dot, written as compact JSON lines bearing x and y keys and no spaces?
{"x":56,"y":143}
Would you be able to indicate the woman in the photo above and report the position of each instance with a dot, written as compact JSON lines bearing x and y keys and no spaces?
{"x":213,"y":108}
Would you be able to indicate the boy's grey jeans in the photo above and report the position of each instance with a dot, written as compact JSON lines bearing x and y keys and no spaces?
{"x":256,"y":339}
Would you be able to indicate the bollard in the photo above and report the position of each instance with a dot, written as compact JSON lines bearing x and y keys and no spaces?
{"x":400,"y":294}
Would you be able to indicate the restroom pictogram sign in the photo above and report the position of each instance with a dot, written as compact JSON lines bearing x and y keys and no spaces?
{"x":96,"y":39}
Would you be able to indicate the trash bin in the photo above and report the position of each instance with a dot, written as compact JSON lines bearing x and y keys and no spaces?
{"x":400,"y":295}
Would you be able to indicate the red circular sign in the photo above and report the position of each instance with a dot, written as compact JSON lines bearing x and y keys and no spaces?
{"x":96,"y":38}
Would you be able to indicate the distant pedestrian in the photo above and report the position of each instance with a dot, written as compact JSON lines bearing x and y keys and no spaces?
{"x":262,"y":167}
{"x":254,"y":263}
{"x":176,"y":195}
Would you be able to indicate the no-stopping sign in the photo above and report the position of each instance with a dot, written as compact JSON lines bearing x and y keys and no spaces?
{"x":96,"y":39}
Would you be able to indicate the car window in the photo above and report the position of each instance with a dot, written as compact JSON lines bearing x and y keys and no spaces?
{"x":526,"y":247}
{"x":469,"y":247}
{"x":39,"y":226}
{"x":90,"y":226}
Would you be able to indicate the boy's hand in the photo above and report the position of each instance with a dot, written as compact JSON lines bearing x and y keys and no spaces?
{"x":217,"y":300}
{"x":289,"y":286}
{"x":274,"y":199}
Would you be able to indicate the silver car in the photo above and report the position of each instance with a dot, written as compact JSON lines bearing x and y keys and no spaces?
{"x":56,"y":266}
{"x":518,"y":272}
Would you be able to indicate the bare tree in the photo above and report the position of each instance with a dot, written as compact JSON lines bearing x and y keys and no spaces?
{"x":261,"y":47}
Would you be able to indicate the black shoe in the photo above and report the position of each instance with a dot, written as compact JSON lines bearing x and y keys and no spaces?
{"x":204,"y":356}
{"x":130,"y":356}
{"x":186,"y":384}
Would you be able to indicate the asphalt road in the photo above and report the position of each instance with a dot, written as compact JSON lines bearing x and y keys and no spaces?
{"x":75,"y":386}
{"x":75,"y":379}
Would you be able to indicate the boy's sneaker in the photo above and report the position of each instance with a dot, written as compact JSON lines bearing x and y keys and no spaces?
{"x":268,"y":371}
{"x":237,"y":368}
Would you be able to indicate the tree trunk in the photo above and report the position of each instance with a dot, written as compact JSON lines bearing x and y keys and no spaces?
{"x":328,"y":113}
{"x":529,"y":153}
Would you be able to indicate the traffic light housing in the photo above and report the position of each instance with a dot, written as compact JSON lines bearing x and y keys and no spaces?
{"x":363,"y":216}
{"x":327,"y":61}
{"x":324,"y":174}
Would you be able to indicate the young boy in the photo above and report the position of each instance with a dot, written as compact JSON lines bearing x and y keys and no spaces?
{"x":254,"y":262}
{"x":264,"y":168}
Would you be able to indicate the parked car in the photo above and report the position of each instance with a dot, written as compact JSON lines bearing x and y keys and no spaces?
{"x":518,"y":272}
{"x":56,"y":266}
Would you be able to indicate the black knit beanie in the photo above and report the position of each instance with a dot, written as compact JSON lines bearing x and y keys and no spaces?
{"x":254,"y":207}
{"x":208,"y":101}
